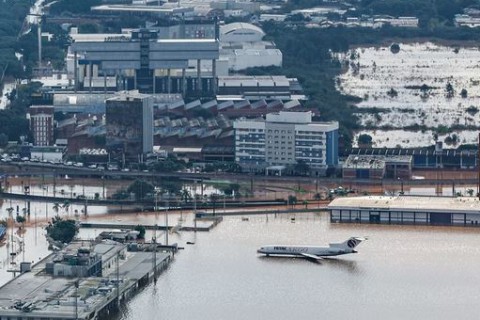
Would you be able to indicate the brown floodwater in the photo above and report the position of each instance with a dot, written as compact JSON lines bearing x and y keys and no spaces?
{"x":401,"y":272}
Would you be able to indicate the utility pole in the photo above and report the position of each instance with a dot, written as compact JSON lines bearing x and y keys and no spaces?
{"x":76,"y":299}
{"x":154,"y":240}
{"x":166,"y":220}
{"x":195,"y":204}
{"x":118,"y":278}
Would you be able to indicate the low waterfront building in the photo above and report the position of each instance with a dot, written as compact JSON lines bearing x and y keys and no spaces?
{"x":377,"y":167}
{"x":458,"y":211}
{"x":51,"y":154}
{"x":425,"y":158}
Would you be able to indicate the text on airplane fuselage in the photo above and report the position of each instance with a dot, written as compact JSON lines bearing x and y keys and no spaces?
{"x":290,"y":249}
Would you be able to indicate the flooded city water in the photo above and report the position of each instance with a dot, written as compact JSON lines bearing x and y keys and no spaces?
{"x":401,"y":272}
{"x":418,"y":75}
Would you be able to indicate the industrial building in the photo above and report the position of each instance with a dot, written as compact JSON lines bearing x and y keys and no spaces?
{"x":284,"y":139}
{"x":129,"y":125}
{"x":242,"y":46}
{"x":140,"y":60}
{"x":423,"y":158}
{"x":87,"y":280}
{"x":48,"y":153}
{"x":377,"y":167}
{"x":456,"y":211}
{"x":256,"y":87}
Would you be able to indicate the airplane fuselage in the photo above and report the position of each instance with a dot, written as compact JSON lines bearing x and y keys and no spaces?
{"x":302,"y":250}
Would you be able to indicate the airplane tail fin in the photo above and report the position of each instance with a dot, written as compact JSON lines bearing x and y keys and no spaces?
{"x":351,"y":243}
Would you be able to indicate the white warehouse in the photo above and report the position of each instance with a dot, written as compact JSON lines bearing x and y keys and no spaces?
{"x":242,"y":45}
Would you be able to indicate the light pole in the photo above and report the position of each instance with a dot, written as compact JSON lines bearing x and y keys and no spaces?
{"x":76,"y":299}
{"x":154,"y":240}
{"x":195,"y":205}
{"x":166,"y":220}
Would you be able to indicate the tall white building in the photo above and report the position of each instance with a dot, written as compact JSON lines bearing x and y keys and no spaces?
{"x":286,"y":138}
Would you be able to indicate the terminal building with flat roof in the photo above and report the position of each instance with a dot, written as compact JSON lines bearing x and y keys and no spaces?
{"x":453,"y":211}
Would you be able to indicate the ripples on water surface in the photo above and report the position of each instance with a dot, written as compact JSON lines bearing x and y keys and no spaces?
{"x":402,"y":272}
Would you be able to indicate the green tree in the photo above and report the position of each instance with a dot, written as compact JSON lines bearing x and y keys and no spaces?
{"x":301,"y":168}
{"x":62,"y":230}
{"x":21,"y":219}
{"x":3,"y":140}
{"x":392,"y":93}
{"x":141,"y":229}
{"x":171,"y":186}
{"x":449,"y":90}
{"x":185,"y":195}
{"x":140,"y":189}
{"x":292,"y":200}
{"x":66,"y":206}
{"x":56,"y":207}
{"x":232,"y":189}
{"x":395,"y":48}
{"x":365,"y":140}
{"x":214,"y":199}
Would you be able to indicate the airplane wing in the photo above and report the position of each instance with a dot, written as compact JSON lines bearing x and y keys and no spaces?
{"x":311,"y":256}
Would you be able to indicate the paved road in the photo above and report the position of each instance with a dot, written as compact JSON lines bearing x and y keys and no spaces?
{"x":36,"y":168}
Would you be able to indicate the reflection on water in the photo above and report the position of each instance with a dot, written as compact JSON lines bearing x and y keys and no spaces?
{"x":401,"y":272}
{"x":336,"y":263}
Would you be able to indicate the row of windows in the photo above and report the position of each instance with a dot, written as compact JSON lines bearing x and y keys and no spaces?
{"x":248,"y":130}
{"x":249,"y":145}
{"x":279,"y":131}
{"x":251,"y":159}
{"x":280,"y":148}
{"x":280,"y":153}
{"x":308,"y":154}
{"x":319,"y":138}
{"x":250,"y":151}
{"x":250,"y":136}
{"x":308,"y":144}
{"x":280,"y":137}
{"x":278,"y":142}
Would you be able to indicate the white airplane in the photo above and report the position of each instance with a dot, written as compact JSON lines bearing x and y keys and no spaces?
{"x":312,"y":252}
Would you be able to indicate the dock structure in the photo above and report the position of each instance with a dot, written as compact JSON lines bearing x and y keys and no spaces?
{"x":447,"y":211}
{"x":204,"y":223}
{"x":85,"y":281}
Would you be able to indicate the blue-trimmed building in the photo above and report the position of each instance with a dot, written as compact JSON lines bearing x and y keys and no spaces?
{"x":284,"y":139}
